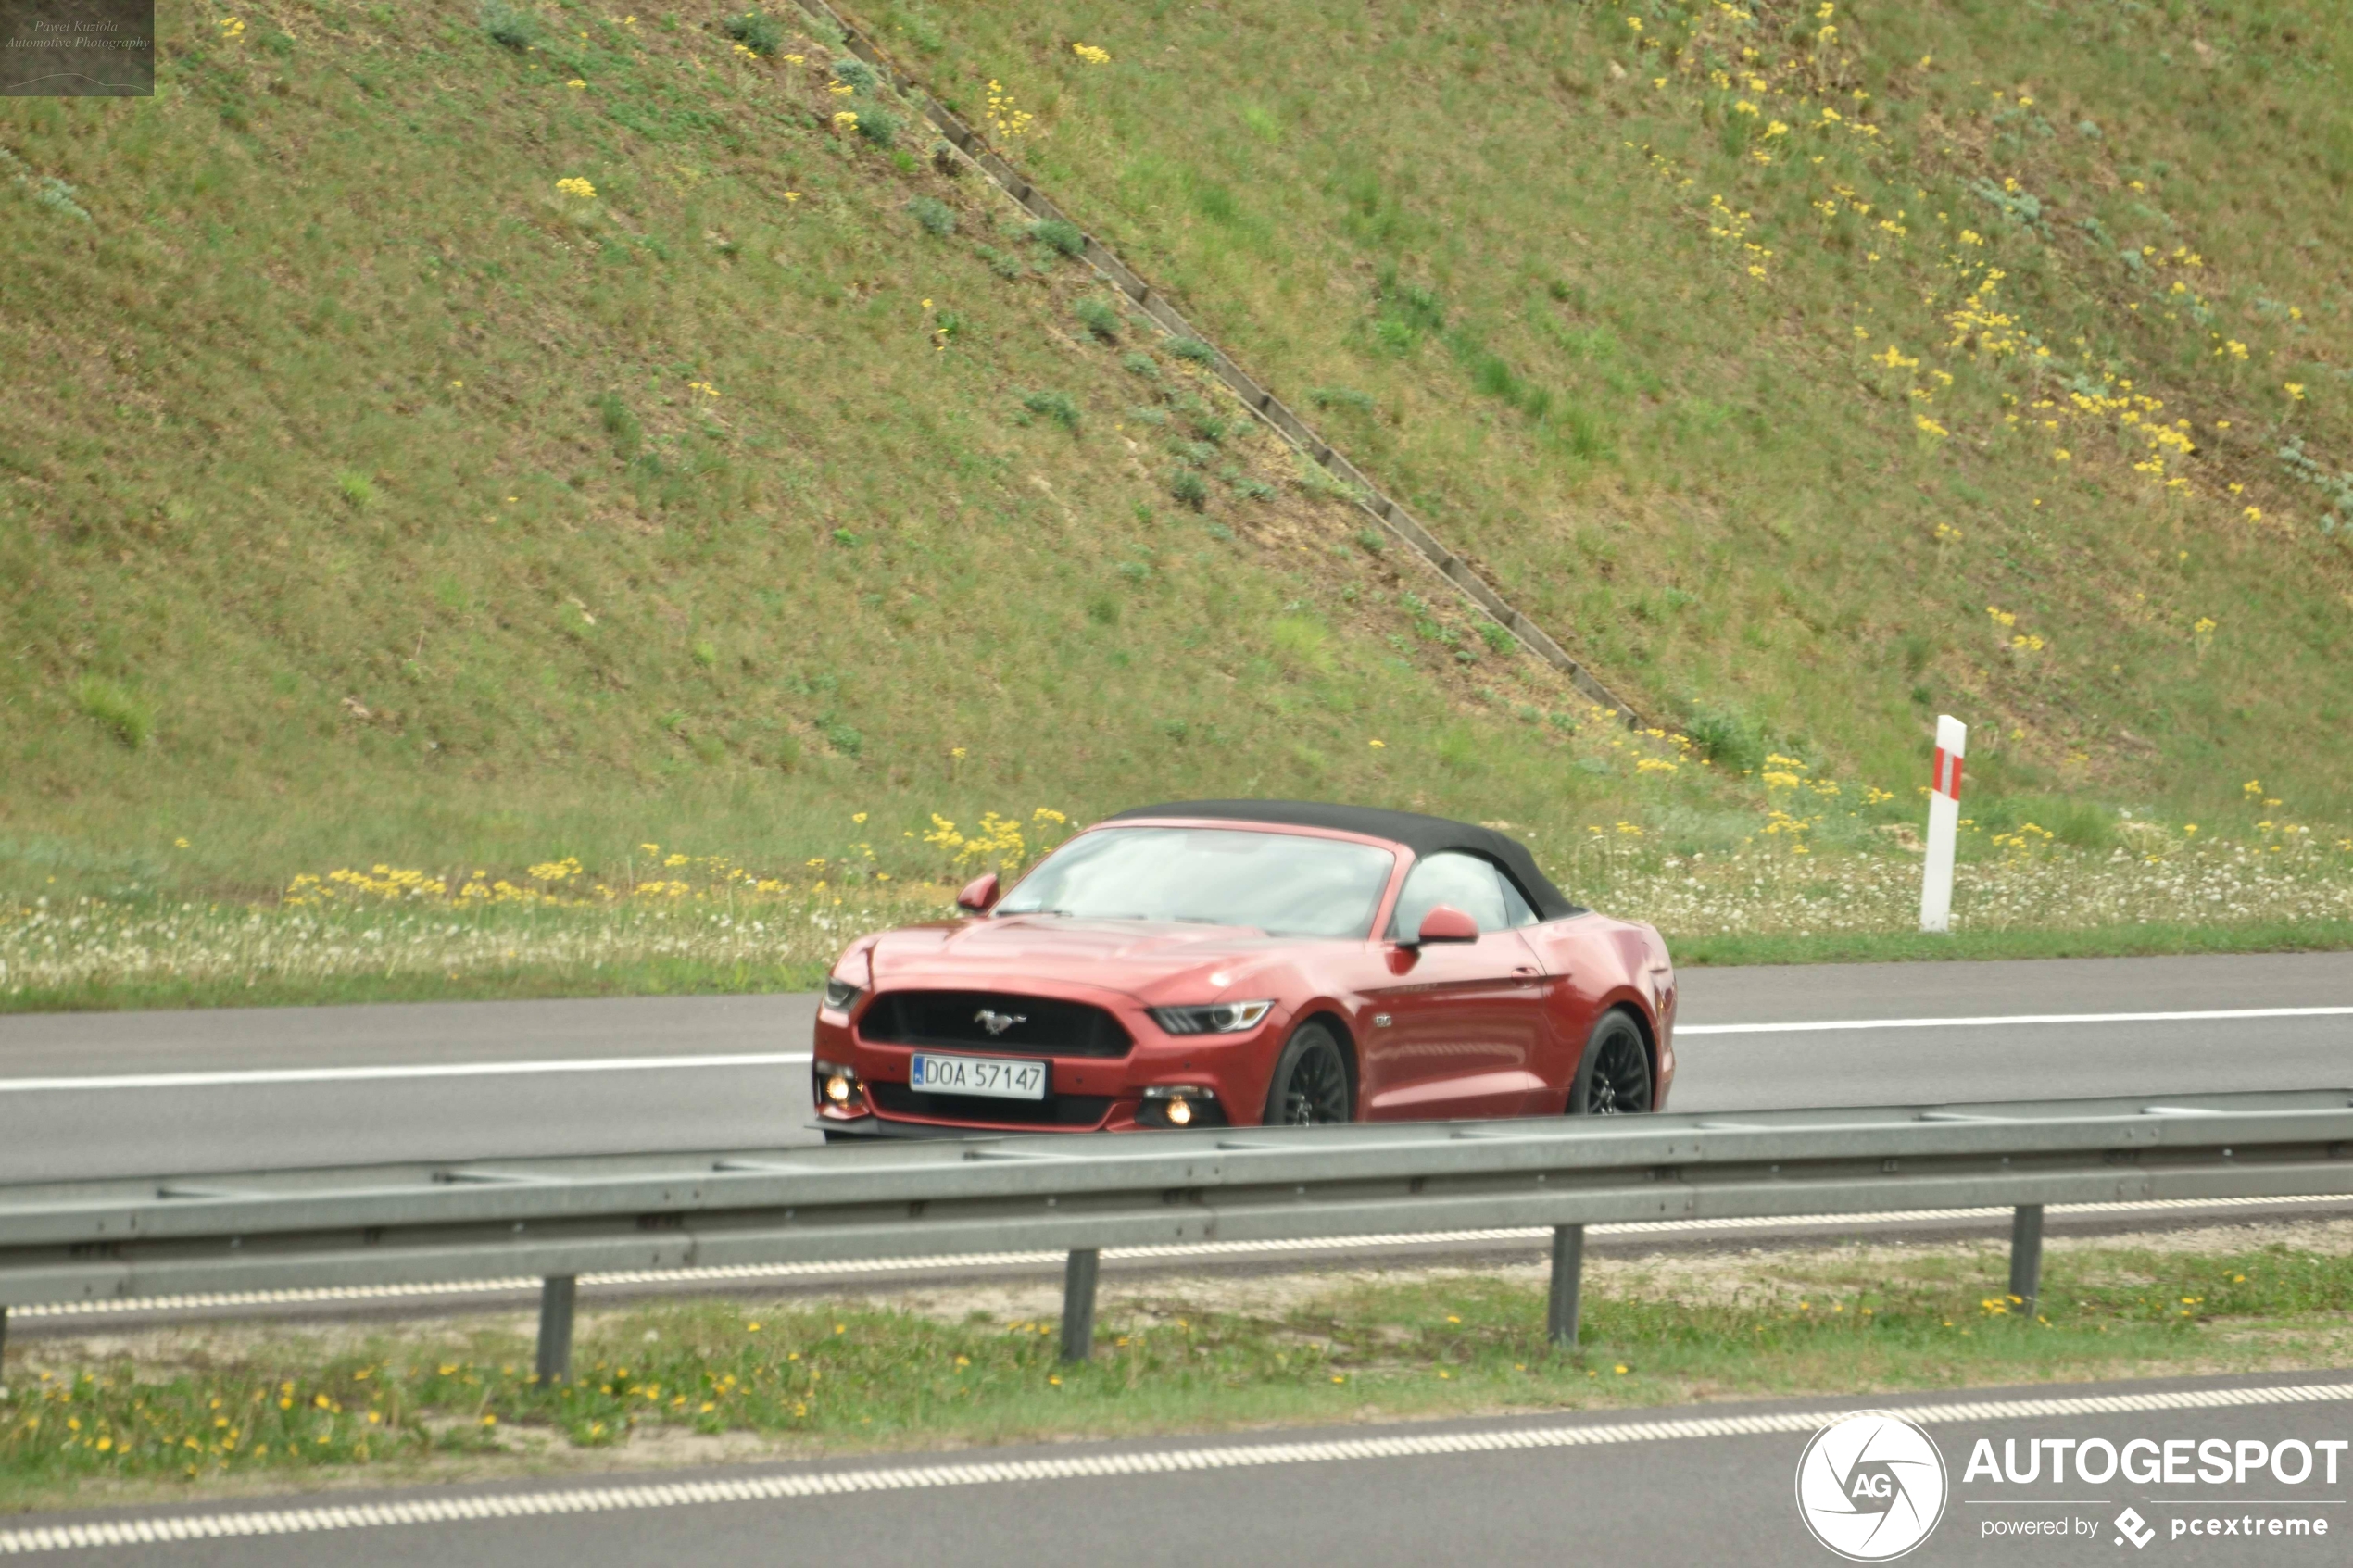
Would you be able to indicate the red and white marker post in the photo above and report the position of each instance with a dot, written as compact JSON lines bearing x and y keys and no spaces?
{"x":1944,"y":824}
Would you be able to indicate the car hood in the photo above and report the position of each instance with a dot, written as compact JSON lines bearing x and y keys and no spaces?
{"x":1142,"y":959}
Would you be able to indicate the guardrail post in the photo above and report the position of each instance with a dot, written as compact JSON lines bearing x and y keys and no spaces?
{"x":1078,"y":1303}
{"x":1568,"y":1271}
{"x":4,"y":1350}
{"x":2026,"y":1254}
{"x":556,"y":1295}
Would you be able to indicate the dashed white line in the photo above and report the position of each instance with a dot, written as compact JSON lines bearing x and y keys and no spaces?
{"x":982,"y":1473}
{"x":799,"y":1059}
{"x":416,"y":1069}
{"x":1991,"y":1021}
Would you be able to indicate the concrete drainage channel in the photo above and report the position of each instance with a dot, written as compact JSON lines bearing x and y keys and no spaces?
{"x":1261,"y":402}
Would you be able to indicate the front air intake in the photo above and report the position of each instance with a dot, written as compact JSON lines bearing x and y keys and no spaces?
{"x":993,"y":1021}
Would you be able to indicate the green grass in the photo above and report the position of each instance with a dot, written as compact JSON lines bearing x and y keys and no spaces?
{"x":747,"y":494}
{"x":635,"y":977}
{"x":1670,"y":428}
{"x":231,"y":1411}
{"x":507,"y":523}
{"x":115,"y":710}
{"x":2091,"y":942}
{"x":1817,"y":887}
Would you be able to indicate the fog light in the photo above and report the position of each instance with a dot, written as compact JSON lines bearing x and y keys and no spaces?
{"x":837,"y":1085}
{"x":1181,"y":1105}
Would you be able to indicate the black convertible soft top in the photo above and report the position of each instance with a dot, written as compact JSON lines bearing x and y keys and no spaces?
{"x":1422,"y":836}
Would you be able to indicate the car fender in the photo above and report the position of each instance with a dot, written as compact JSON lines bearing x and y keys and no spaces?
{"x":1346,"y":1016}
{"x":1597,"y":964}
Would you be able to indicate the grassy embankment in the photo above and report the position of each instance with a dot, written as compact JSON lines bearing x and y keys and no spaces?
{"x":375,"y":502}
{"x":375,"y":495}
{"x":246,"y":1410}
{"x":1762,"y":354}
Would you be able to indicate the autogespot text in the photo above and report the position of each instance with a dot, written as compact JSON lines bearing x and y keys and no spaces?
{"x":2282,"y":1471}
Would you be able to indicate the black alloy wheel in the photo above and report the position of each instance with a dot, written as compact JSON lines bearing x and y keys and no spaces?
{"x":1311,"y":1085}
{"x":1615,"y":1077}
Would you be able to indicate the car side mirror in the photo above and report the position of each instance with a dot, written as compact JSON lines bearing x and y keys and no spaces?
{"x":979,"y":894}
{"x":1446,"y":924}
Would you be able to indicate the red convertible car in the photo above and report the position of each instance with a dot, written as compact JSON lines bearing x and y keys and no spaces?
{"x":1235,"y":962}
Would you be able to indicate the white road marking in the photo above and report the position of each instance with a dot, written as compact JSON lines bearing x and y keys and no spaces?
{"x":796,"y":1059}
{"x":1683,"y":1030}
{"x":419,"y":1070}
{"x":737,"y":1273}
{"x":971,"y":1470}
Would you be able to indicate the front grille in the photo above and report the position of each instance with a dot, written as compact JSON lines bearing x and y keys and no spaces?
{"x":1054,"y":1110}
{"x":1046,"y":1027}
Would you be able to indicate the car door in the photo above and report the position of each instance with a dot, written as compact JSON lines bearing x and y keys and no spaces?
{"x":1456,"y":1026}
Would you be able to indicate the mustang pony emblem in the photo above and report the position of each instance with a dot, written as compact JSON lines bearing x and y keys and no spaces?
{"x":998,"y":1022}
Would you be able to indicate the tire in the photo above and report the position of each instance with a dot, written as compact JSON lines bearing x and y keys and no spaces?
{"x":1312,"y":1086}
{"x":1614,"y":1077}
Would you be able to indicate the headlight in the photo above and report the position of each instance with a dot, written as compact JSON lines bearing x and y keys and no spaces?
{"x":840,"y":995}
{"x":1217,"y":1017}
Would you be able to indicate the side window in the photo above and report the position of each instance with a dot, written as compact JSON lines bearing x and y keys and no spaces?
{"x":1465,"y":882}
{"x":1516,"y":906}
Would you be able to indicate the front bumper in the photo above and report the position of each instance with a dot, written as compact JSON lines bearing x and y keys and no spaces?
{"x":1084,"y":1094}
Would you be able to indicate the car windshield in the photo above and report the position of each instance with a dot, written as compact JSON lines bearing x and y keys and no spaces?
{"x":1282,"y":884}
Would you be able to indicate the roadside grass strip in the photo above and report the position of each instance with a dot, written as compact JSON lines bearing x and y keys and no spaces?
{"x":927,"y":1478}
{"x":735,"y":1273}
{"x":163,"y":1420}
{"x":98,"y":954}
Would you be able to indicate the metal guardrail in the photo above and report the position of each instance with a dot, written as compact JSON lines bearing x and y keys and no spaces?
{"x":560,"y":1218}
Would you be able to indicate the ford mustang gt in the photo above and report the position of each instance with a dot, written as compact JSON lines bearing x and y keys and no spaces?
{"x":1235,"y":962}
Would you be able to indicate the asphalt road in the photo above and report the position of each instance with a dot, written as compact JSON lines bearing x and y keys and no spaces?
{"x":1664,"y":1497}
{"x":114,"y":1094}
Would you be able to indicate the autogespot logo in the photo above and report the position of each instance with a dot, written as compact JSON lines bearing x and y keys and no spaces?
{"x":1870,"y":1486}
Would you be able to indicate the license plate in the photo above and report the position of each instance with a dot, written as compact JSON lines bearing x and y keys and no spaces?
{"x":992,"y":1076}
